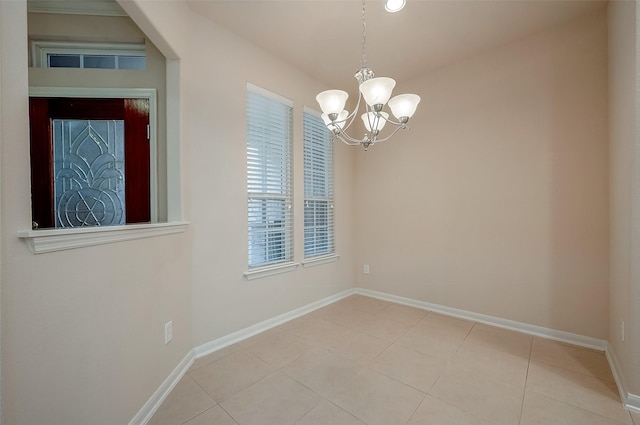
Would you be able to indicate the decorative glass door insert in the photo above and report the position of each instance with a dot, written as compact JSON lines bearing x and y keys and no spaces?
{"x":88,"y":169}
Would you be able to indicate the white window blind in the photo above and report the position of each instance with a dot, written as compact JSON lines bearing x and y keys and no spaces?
{"x":318,"y":187}
{"x":270,"y":221}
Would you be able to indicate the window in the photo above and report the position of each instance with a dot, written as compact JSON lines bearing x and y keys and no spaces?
{"x":269,"y":134}
{"x":51,"y":54}
{"x":318,"y":187}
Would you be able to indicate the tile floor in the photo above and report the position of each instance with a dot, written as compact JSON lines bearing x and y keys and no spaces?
{"x":363,"y":361}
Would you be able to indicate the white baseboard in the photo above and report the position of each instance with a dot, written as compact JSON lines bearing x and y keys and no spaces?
{"x":630,"y":401}
{"x":152,"y":405}
{"x":556,"y":335}
{"x":217,"y":344}
{"x":633,"y":402}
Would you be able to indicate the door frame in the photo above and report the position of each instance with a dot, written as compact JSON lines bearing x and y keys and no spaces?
{"x":132,"y":93}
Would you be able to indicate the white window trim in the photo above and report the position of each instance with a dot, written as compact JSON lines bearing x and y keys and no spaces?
{"x":270,"y":270}
{"x":40,"y":50}
{"x":51,"y":240}
{"x":320,"y":259}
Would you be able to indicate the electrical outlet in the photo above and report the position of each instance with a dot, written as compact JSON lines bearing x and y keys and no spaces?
{"x":622,"y":330}
{"x":168,"y":332}
{"x":366,"y":269}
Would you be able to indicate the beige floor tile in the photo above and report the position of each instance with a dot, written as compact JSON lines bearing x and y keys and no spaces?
{"x":214,"y":416}
{"x":356,"y":345}
{"x":493,"y":339}
{"x":186,"y":400}
{"x":582,"y":360}
{"x":343,"y":315}
{"x":403,"y":314}
{"x":349,"y":302}
{"x":636,"y":418}
{"x":596,"y":395}
{"x":366,"y":304}
{"x":326,"y":413}
{"x":415,"y":369}
{"x":502,"y":366}
{"x":440,"y":323}
{"x":479,"y":395}
{"x":435,"y":412}
{"x":437,"y":335}
{"x":322,"y":370}
{"x":316,"y":331}
{"x":541,"y":410}
{"x":383,"y":328}
{"x":276,"y":347}
{"x":377,"y":399}
{"x":275,"y":400}
{"x":215,"y":356}
{"x":231,"y":374}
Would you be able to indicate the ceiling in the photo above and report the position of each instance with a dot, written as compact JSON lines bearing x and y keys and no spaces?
{"x":323,"y":38}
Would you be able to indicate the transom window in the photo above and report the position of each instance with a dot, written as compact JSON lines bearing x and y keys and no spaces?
{"x":50,"y":54}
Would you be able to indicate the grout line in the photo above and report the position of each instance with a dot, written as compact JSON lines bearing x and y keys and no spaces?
{"x":416,"y":409}
{"x":228,"y":414}
{"x":526,"y":378}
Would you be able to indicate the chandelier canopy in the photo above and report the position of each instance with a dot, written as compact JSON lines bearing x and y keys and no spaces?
{"x":376,"y":93}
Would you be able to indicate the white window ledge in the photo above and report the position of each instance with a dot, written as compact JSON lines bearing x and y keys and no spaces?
{"x":321,"y":259}
{"x":50,"y":240}
{"x":259,"y":272}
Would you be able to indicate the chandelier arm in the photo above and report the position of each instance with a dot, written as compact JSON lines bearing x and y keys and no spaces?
{"x":352,"y":116}
{"x":348,"y":141}
{"x":390,"y":121}
{"x":391,"y":135}
{"x":344,"y":137}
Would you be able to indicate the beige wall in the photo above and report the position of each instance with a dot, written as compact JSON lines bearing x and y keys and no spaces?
{"x":623,"y":119}
{"x":216,"y":67}
{"x":496,"y":200}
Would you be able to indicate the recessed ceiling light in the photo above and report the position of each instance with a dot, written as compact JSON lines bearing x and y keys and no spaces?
{"x":394,"y":5}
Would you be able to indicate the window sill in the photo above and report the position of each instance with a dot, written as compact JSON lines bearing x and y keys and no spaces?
{"x":321,"y":259}
{"x":270,"y":270}
{"x":51,"y":240}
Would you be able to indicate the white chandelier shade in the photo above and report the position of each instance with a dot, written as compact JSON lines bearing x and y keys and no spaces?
{"x":404,"y":105}
{"x":374,"y":122}
{"x":376,"y":93}
{"x":332,"y":101}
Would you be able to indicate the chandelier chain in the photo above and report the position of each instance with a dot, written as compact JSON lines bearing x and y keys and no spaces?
{"x":363,"y":62}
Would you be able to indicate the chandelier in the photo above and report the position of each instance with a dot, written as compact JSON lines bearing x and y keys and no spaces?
{"x":376,"y":93}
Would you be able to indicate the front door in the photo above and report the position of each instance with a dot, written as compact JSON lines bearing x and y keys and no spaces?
{"x":89,"y":162}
